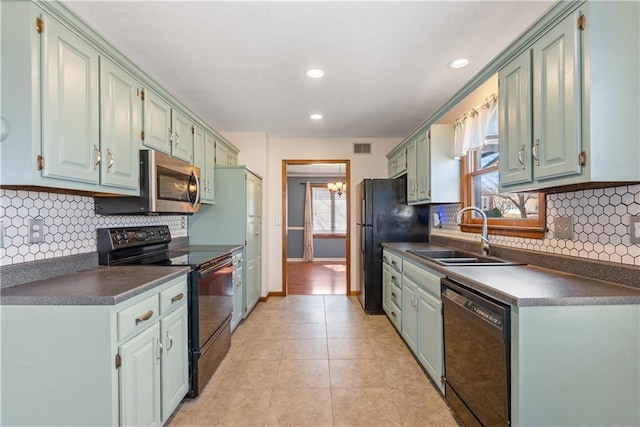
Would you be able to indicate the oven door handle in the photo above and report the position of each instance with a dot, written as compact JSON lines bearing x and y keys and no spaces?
{"x":216,"y":267}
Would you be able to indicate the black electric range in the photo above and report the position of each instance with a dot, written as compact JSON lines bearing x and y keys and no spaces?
{"x":210,"y":291}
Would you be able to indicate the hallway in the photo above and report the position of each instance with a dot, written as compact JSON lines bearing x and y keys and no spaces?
{"x":316,"y":361}
{"x":317,"y":278}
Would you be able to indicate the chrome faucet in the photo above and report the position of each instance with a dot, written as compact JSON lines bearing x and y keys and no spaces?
{"x":484,"y":239}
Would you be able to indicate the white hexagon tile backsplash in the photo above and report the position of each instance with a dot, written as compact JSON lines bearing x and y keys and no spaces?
{"x":600,"y":225}
{"x":69,"y":225}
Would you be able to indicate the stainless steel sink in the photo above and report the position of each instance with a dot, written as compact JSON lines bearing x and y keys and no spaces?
{"x":458,"y":258}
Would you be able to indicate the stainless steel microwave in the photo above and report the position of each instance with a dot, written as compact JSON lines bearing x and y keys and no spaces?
{"x":167,"y":186}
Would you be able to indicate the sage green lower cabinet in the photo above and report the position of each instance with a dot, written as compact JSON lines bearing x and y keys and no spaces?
{"x":392,"y":288}
{"x":72,"y":365}
{"x":575,"y":365}
{"x":139,"y":379}
{"x":238,"y":290}
{"x":422,"y":318}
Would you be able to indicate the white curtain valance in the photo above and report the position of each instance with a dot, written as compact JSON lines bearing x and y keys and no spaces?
{"x":475,"y":127}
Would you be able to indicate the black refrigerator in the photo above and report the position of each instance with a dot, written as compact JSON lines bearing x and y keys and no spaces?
{"x":383,"y":215}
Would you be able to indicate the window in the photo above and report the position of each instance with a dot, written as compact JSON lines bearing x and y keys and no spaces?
{"x":329,"y":212}
{"x":509,"y":214}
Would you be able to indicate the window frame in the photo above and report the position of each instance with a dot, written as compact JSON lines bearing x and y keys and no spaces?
{"x":324,"y":234}
{"x":526,"y":228}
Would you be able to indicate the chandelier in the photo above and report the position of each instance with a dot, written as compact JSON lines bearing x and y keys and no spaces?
{"x":337,"y":187}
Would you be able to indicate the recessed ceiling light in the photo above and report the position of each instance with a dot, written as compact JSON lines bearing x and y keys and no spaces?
{"x":316,"y":116}
{"x":459,"y":63}
{"x":315,"y":73}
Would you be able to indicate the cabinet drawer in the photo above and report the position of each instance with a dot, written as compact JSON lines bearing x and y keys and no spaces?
{"x":392,"y":259}
{"x":174,"y":297}
{"x":396,"y":295}
{"x":395,"y":315}
{"x":137,"y":317}
{"x":425,"y":278}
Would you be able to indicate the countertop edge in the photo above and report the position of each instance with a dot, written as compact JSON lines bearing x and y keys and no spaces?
{"x":401,"y":249}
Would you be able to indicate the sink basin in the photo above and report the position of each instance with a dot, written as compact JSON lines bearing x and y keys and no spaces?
{"x":458,"y":258}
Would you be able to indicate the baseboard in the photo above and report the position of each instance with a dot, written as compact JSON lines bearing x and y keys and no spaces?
{"x":273,"y":294}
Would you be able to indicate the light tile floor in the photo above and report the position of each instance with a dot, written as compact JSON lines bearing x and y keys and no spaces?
{"x":316,"y":361}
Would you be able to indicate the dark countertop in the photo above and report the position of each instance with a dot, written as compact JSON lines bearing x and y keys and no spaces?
{"x":97,"y":286}
{"x":525,"y":285}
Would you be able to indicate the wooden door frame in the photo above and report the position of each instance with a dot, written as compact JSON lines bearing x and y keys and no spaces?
{"x":347,"y":240}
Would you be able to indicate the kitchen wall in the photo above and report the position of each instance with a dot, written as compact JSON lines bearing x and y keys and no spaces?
{"x":69,"y":225}
{"x":600,"y":230}
{"x":264,"y":153}
{"x":324,"y":248}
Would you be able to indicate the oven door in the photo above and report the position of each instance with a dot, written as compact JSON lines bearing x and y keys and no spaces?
{"x":215,"y":298}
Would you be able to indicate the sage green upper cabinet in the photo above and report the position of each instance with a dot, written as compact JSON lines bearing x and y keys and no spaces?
{"x":225,"y":154}
{"x":397,"y":161}
{"x":182,"y":136}
{"x":569,"y":102}
{"x":433,"y":175}
{"x":121,"y":121}
{"x":166,"y":129}
{"x":70,"y":105}
{"x":540,"y":109}
{"x":204,"y":157}
{"x":157,"y":122}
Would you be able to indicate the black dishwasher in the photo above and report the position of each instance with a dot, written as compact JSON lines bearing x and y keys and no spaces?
{"x":477,"y":354}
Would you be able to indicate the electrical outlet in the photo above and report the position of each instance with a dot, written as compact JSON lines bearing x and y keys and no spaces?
{"x":634,"y":229}
{"x":563,"y":227}
{"x":36,"y":230}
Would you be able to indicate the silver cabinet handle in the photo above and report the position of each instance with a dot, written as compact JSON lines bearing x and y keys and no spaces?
{"x":535,"y":150}
{"x":521,"y":156}
{"x":170,"y":136}
{"x":160,"y":351}
{"x":170,"y":346}
{"x":144,"y":316}
{"x":110,"y":155}
{"x":177,"y":139}
{"x":98,"y":157}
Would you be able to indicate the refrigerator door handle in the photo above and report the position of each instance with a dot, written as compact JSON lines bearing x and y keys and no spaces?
{"x":363,"y":211}
{"x":363,"y":238}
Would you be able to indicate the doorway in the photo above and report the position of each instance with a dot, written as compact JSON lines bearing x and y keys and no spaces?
{"x":327,"y":269}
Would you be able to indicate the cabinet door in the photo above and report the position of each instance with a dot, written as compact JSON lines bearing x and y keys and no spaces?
{"x":199,"y":160}
{"x":222,"y":154}
{"x":70,"y":106}
{"x":233,"y":158}
{"x":175,"y":360}
{"x":386,"y":287}
{"x":557,"y":102}
{"x":157,"y":122}
{"x":238,"y":297}
{"x":422,"y":168}
{"x":429,"y":335}
{"x":412,"y":178}
{"x":139,"y":379}
{"x":514,"y":109}
{"x":210,"y":158}
{"x":409,"y":320}
{"x":120,"y":126}
{"x":182,"y":136}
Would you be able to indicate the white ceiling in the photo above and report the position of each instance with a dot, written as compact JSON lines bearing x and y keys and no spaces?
{"x":241,"y":66}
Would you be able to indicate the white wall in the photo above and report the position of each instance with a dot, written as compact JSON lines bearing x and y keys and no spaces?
{"x":264,"y":155}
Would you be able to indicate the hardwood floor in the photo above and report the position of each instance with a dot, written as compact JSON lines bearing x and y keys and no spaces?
{"x":317,"y":278}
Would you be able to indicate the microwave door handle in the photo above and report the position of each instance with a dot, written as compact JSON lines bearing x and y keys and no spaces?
{"x":197,"y":183}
